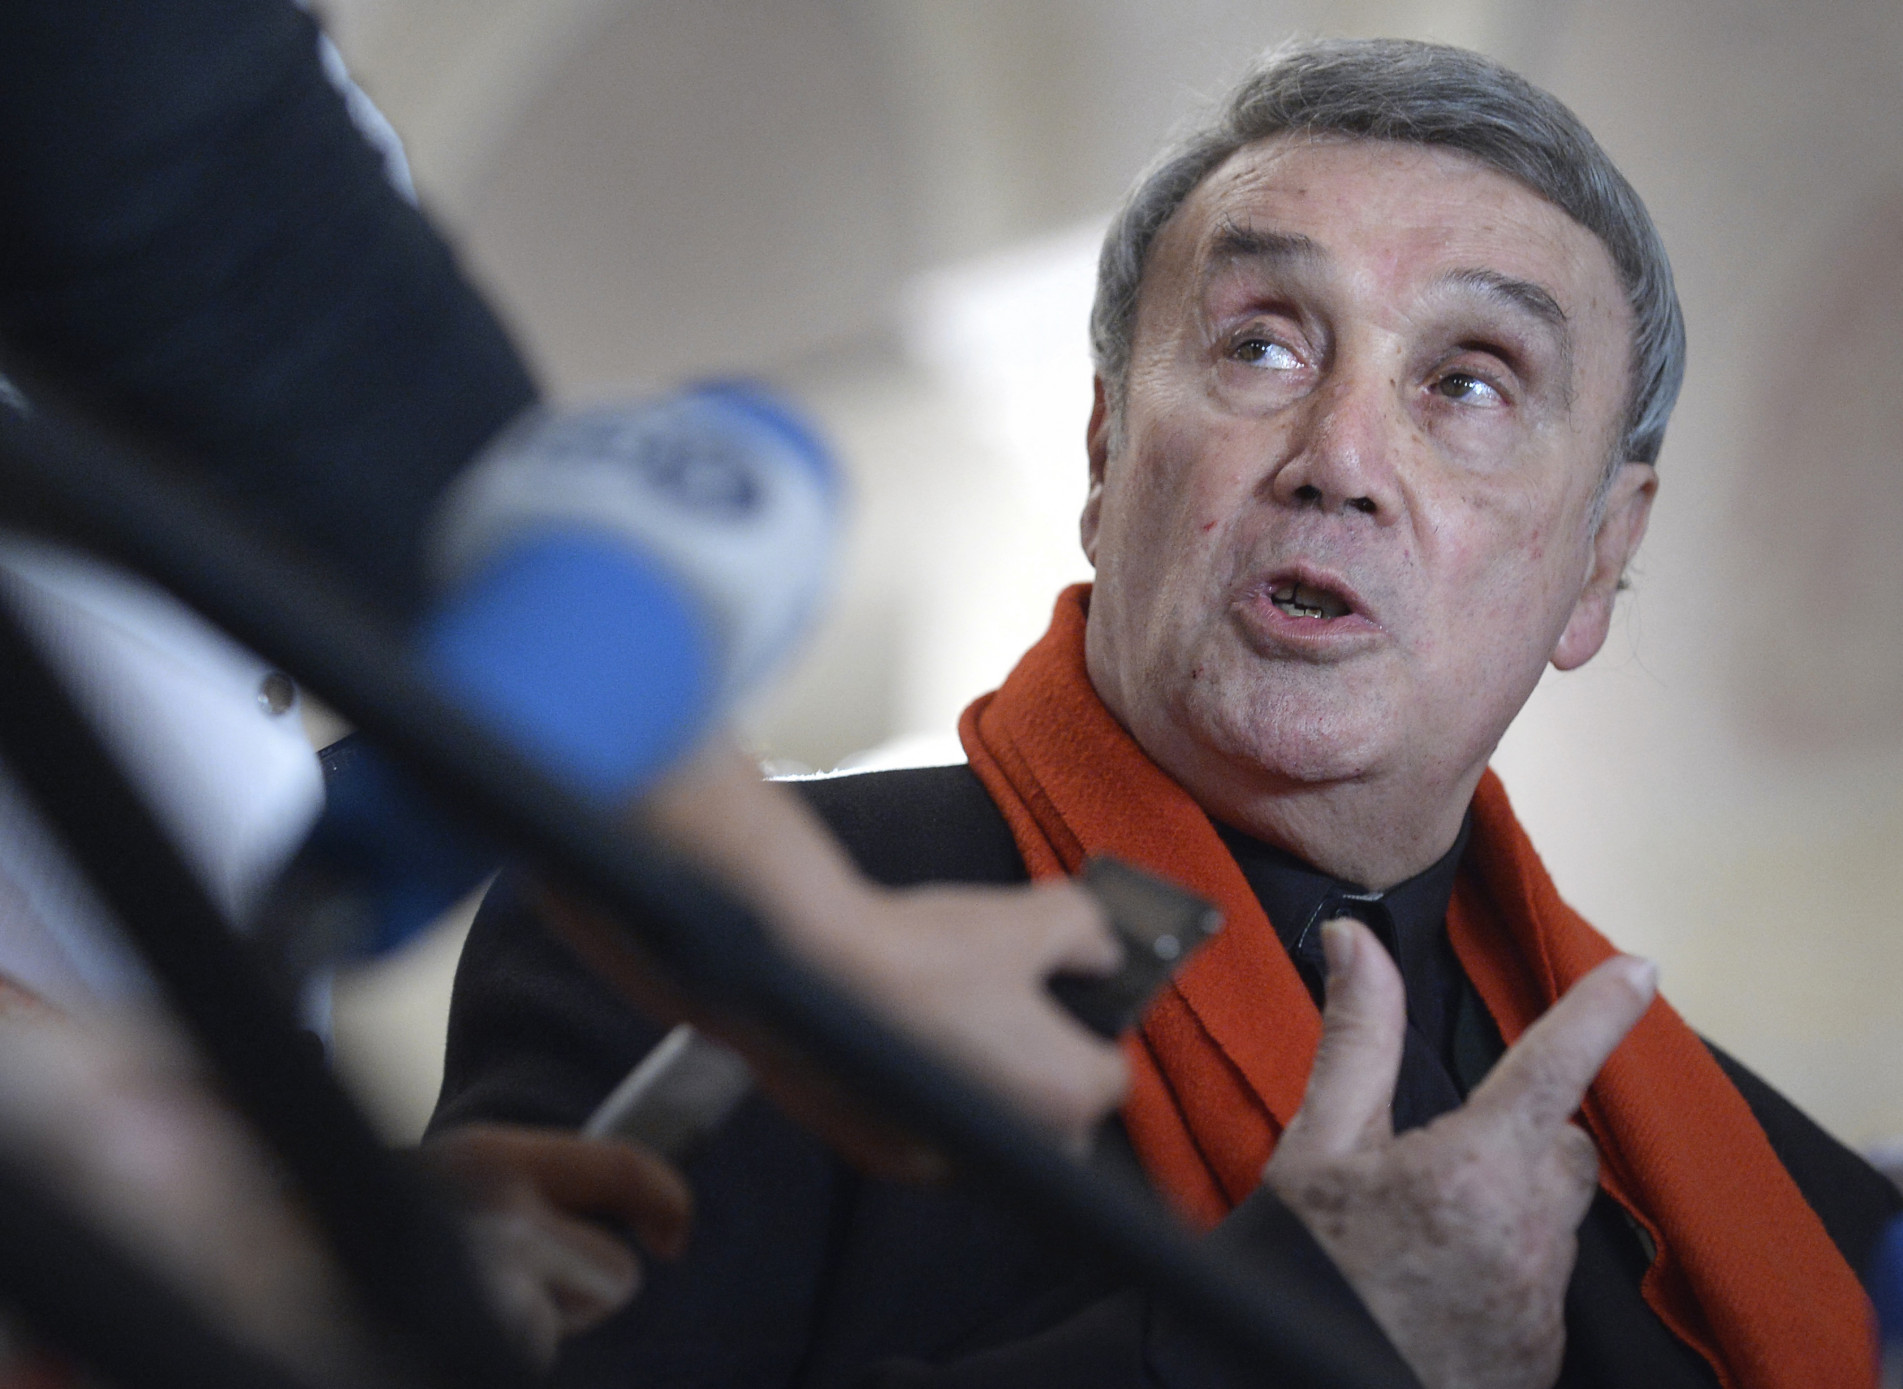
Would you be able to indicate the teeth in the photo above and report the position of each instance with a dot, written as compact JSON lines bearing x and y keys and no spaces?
{"x":1300,"y":600}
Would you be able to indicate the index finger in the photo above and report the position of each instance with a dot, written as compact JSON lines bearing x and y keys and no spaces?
{"x":1544,"y":1075}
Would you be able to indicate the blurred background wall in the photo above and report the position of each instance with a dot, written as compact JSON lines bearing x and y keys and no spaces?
{"x":890,"y":207}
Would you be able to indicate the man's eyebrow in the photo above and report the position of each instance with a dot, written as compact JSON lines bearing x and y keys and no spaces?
{"x":1236,"y":242}
{"x":1520,"y":294}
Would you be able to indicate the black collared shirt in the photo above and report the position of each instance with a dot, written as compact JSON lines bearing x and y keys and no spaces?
{"x":1450,"y":1042}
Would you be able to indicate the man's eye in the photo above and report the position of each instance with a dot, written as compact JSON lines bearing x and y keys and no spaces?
{"x":1458,"y":385}
{"x":1266,"y":352}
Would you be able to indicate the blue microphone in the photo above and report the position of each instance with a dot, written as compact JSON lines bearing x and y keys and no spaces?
{"x":613,"y":580}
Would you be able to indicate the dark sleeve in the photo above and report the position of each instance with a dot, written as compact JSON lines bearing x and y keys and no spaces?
{"x":1855,"y":1202}
{"x":1125,"y":1338}
{"x":196,"y":243}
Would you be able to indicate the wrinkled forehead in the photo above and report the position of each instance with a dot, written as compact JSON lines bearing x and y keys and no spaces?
{"x":1393,"y":223}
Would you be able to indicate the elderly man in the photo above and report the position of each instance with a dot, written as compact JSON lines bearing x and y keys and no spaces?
{"x":1385,"y":356}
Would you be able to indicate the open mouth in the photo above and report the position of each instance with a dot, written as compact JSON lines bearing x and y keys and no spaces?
{"x":1307,"y":601}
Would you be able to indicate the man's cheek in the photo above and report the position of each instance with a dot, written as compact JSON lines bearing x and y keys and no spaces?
{"x":1153,"y":527}
{"x":1489,"y":578}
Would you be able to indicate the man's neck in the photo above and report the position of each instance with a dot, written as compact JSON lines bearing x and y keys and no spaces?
{"x":1373,"y":831}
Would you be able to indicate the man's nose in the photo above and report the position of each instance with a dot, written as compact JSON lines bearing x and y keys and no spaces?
{"x":1346,"y":450}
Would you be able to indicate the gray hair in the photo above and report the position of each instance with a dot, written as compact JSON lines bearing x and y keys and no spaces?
{"x":1423,"y":94}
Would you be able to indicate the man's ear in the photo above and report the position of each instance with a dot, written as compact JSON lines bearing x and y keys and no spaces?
{"x":1628,"y":508}
{"x":1097,"y":445}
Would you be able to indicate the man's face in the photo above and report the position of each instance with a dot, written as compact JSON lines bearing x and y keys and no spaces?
{"x":1348,"y":516}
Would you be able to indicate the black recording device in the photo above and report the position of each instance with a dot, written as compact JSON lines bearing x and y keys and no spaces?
{"x":1159,"y":926}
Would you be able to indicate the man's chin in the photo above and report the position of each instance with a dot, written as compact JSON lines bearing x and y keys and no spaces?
{"x":1291,"y":740}
{"x":1300,"y":762}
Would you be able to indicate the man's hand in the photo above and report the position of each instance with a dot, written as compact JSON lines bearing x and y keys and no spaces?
{"x":553,"y":1271}
{"x":1460,"y":1236}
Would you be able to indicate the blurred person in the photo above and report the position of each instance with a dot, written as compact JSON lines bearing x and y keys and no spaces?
{"x":197,"y":245}
{"x":98,"y":1093}
{"x":95,"y":1089}
{"x":1385,"y":353}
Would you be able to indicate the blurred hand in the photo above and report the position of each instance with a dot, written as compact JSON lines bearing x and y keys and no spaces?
{"x":553,"y":1271}
{"x":114,"y":1114}
{"x":964,"y":968}
{"x":1460,"y":1236}
{"x":961,"y":968}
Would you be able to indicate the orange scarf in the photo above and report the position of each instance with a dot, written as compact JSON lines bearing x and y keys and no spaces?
{"x":1745,"y":1273}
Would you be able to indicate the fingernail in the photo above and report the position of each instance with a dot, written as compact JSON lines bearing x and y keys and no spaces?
{"x":1338,"y":946}
{"x":1642,"y":974}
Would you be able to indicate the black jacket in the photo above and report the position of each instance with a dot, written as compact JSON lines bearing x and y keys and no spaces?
{"x":196,"y":243}
{"x":803,"y":1272}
